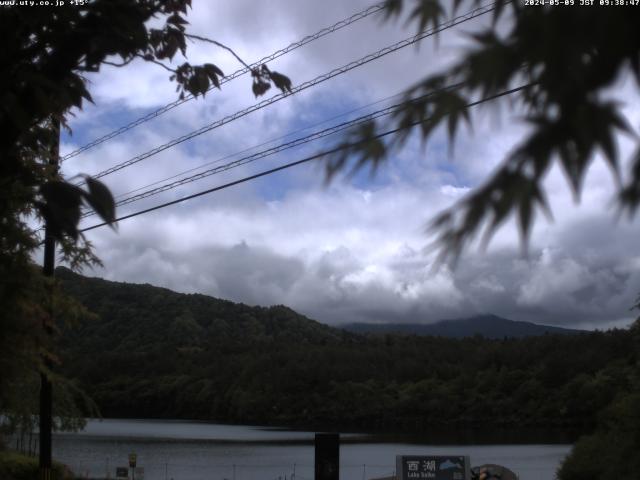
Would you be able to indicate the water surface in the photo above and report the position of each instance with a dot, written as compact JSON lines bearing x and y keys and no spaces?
{"x":181,"y":450}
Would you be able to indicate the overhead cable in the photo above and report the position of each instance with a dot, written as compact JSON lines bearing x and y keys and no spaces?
{"x":293,"y":46}
{"x":300,"y":162}
{"x":273,"y":150}
{"x":322,"y":78}
{"x":254,"y":147}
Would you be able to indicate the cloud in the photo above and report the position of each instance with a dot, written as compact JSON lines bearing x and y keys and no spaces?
{"x":345,"y":254}
{"x":353,"y":251}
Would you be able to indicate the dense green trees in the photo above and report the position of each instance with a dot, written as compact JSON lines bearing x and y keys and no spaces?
{"x":45,"y":54}
{"x":138,"y":357}
{"x":273,"y":366}
{"x":43,"y":59}
{"x":611,"y":452}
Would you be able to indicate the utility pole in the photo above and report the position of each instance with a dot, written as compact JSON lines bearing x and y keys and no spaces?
{"x":46,"y":397}
{"x":327,"y":456}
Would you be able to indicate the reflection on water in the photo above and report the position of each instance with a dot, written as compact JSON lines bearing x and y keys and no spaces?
{"x":197,"y":451}
{"x":181,"y":430}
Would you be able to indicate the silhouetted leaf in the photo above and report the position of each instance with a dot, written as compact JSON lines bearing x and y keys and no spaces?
{"x":281,"y":81}
{"x":213,"y":72}
{"x":392,"y":8}
{"x":61,"y":193}
{"x":99,"y":197}
{"x":427,"y":12}
{"x":177,"y":20}
{"x":260,"y":87}
{"x":629,"y":196}
{"x":61,"y":207}
{"x":525,"y":212}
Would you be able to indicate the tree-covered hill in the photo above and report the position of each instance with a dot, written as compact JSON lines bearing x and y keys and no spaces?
{"x":137,"y":318}
{"x":150,"y":352}
{"x":488,"y":326}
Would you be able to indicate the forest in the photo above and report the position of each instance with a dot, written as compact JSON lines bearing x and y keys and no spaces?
{"x":150,"y":352}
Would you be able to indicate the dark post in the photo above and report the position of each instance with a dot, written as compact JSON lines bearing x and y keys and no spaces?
{"x":327,"y":461}
{"x":46,"y":398}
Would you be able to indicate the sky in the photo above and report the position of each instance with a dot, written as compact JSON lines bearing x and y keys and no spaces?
{"x":352,"y":250}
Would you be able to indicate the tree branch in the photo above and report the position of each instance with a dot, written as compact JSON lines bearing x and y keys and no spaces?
{"x":122,"y":64}
{"x":218,"y":44}
{"x":153,"y":60}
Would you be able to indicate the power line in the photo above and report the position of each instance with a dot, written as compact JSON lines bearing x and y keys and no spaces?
{"x":300,"y":162}
{"x":273,"y":150}
{"x":293,"y":46}
{"x":250,"y":158}
{"x":282,"y":137}
{"x":255,"y":156}
{"x":333,"y":73}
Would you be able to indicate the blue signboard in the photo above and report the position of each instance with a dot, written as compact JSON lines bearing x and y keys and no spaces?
{"x":432,"y":467}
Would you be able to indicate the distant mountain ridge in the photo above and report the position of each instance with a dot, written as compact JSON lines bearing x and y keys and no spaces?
{"x":489,"y":326}
{"x":190,"y":316}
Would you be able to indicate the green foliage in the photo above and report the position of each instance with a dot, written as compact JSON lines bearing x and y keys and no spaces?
{"x":173,"y":355}
{"x":612,"y":452}
{"x":61,"y":203}
{"x":14,"y":466}
{"x":559,"y":91}
{"x":26,"y":353}
{"x":45,"y":56}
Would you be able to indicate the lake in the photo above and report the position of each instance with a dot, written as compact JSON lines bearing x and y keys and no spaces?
{"x":181,"y":450}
